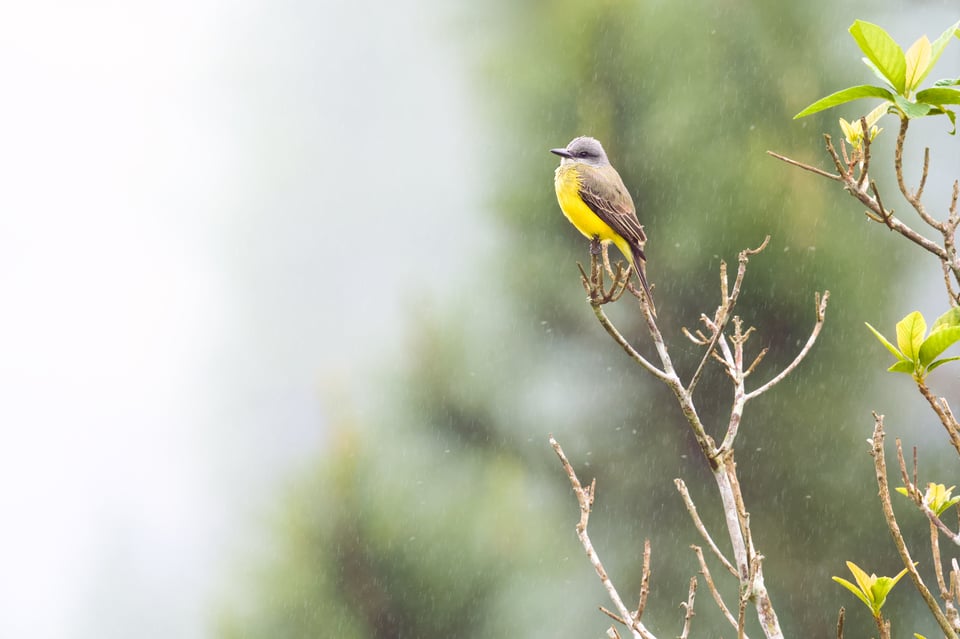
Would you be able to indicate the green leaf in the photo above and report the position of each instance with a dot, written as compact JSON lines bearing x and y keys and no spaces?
{"x":940,"y":362}
{"x":846,"y":95}
{"x":849,"y":586}
{"x":903,"y":366}
{"x":881,"y":588}
{"x":937,"y":497}
{"x":953,"y":119}
{"x":918,"y":63}
{"x":912,"y":109}
{"x":864,"y":581}
{"x":937,"y":48}
{"x":883,"y":340}
{"x":950,"y":115}
{"x":939,"y":95}
{"x":882,"y":51}
{"x":947,"y":82}
{"x":947,"y":505}
{"x":901,"y":574}
{"x":950,"y":318}
{"x":877,"y":72}
{"x":910,"y":332}
{"x":937,"y":342}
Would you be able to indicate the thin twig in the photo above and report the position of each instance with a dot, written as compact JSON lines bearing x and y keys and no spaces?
{"x":942,"y":409}
{"x":865,"y":164}
{"x":937,"y":566}
{"x":806,"y":167}
{"x":717,"y":598}
{"x":727,"y":304}
{"x":756,"y":362}
{"x":625,"y":345}
{"x":916,"y":467}
{"x":876,"y":210}
{"x":923,"y":175}
{"x":688,"y":606}
{"x":821,"y":308}
{"x":913,"y":493}
{"x":894,"y":528}
{"x":912,"y":198}
{"x":644,"y":580}
{"x":886,"y":216}
{"x":954,"y":578}
{"x":585,"y":498}
{"x":698,"y":524}
{"x":952,"y":296}
{"x":613,"y":615}
{"x":939,"y":524}
{"x":844,"y":174}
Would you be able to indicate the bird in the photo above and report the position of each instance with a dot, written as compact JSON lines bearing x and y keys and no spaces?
{"x":593,"y":197}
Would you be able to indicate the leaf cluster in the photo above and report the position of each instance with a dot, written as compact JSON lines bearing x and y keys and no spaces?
{"x":938,"y":497}
{"x":918,"y":352}
{"x":901,"y":73}
{"x":870,"y":589}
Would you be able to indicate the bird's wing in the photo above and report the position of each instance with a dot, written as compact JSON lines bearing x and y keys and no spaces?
{"x":609,"y":199}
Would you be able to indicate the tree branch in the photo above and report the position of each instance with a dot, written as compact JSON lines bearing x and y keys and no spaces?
{"x":585,"y":499}
{"x":821,"y":309}
{"x":698,"y":524}
{"x":894,"y":528}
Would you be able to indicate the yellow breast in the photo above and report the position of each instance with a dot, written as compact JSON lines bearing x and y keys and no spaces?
{"x":567,"y":182}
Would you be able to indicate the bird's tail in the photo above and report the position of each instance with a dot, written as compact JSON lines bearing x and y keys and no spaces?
{"x":639,"y":265}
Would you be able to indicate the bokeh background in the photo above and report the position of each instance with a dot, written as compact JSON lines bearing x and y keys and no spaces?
{"x":289,"y":311}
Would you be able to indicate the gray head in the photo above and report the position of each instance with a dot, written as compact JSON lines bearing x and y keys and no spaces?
{"x":583,"y":149}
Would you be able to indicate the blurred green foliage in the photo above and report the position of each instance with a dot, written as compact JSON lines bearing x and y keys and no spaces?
{"x":443,"y":513}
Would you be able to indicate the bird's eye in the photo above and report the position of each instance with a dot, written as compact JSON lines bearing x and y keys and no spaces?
{"x":582,"y":154}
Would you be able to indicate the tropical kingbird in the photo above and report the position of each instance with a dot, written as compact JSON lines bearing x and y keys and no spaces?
{"x":594,"y":199}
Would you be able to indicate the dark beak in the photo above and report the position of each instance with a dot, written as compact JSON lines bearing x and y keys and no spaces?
{"x":561,"y":152}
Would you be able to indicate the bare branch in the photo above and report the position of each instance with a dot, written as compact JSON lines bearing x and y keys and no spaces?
{"x":923,"y":176}
{"x":698,"y":524}
{"x":594,"y":284}
{"x":840,"y":623}
{"x":688,"y":606}
{"x":756,"y":361}
{"x":727,"y":304}
{"x":844,"y":174}
{"x":942,"y":409}
{"x":821,"y":308}
{"x":885,"y":216}
{"x":954,"y":578}
{"x":913,"y":492}
{"x":952,"y":296}
{"x":936,"y":521}
{"x":717,"y":598}
{"x":894,"y":528}
{"x":876,"y":211}
{"x":644,"y":580}
{"x":865,"y":165}
{"x":585,"y":499}
{"x":613,"y":615}
{"x":912,"y":198}
{"x":937,"y":566}
{"x":806,"y":167}
{"x":625,"y":345}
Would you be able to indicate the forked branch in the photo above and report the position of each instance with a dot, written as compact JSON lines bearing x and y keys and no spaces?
{"x":585,"y":498}
{"x":881,"y":473}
